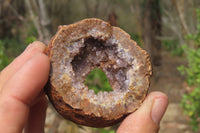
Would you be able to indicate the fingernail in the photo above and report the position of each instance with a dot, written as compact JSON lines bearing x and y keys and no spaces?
{"x":158,"y":109}
{"x":36,"y":44}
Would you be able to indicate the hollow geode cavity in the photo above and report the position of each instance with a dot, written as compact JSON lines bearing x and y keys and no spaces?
{"x":77,"y":49}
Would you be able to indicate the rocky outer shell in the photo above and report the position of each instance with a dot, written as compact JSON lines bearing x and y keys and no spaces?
{"x":76,"y":102}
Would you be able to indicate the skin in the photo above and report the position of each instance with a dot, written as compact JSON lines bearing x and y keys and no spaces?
{"x":23,"y":103}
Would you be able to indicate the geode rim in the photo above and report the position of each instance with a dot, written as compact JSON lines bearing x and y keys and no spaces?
{"x":77,"y":49}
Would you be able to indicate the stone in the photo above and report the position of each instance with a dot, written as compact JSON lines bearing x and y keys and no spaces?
{"x":76,"y":50}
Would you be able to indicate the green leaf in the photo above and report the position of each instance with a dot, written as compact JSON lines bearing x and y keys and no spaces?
{"x":98,"y":81}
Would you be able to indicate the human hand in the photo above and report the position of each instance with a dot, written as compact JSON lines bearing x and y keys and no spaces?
{"x":22,"y":101}
{"x":147,"y":118}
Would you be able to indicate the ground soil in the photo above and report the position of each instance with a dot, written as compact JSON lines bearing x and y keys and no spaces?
{"x":167,"y":79}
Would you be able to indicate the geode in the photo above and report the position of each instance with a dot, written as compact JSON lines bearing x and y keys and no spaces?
{"x":76,"y":50}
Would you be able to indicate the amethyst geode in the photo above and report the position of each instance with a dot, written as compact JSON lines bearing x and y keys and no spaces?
{"x":77,"y":49}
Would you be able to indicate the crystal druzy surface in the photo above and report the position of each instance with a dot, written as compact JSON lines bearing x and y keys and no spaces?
{"x":76,"y":50}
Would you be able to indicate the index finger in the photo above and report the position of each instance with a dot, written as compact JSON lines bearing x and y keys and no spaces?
{"x":12,"y":68}
{"x":19,"y":92}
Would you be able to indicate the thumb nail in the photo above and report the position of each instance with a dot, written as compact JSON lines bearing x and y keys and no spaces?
{"x":158,"y":109}
{"x":36,"y":44}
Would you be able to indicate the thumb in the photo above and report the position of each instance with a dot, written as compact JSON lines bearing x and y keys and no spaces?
{"x":147,"y":118}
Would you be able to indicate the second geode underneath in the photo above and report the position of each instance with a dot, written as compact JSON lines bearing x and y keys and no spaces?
{"x":77,"y":49}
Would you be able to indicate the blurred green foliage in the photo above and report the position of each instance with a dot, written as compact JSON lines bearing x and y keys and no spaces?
{"x":30,"y":39}
{"x":173,"y":47}
{"x":98,"y":81}
{"x":136,"y":38}
{"x":191,"y":101}
{"x":13,"y":44}
{"x":4,"y":60}
{"x":12,"y":47}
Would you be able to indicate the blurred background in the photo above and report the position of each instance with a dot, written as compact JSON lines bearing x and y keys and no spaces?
{"x":168,"y":29}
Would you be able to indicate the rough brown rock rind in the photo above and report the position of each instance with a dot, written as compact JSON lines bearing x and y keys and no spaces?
{"x":78,"y":48}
